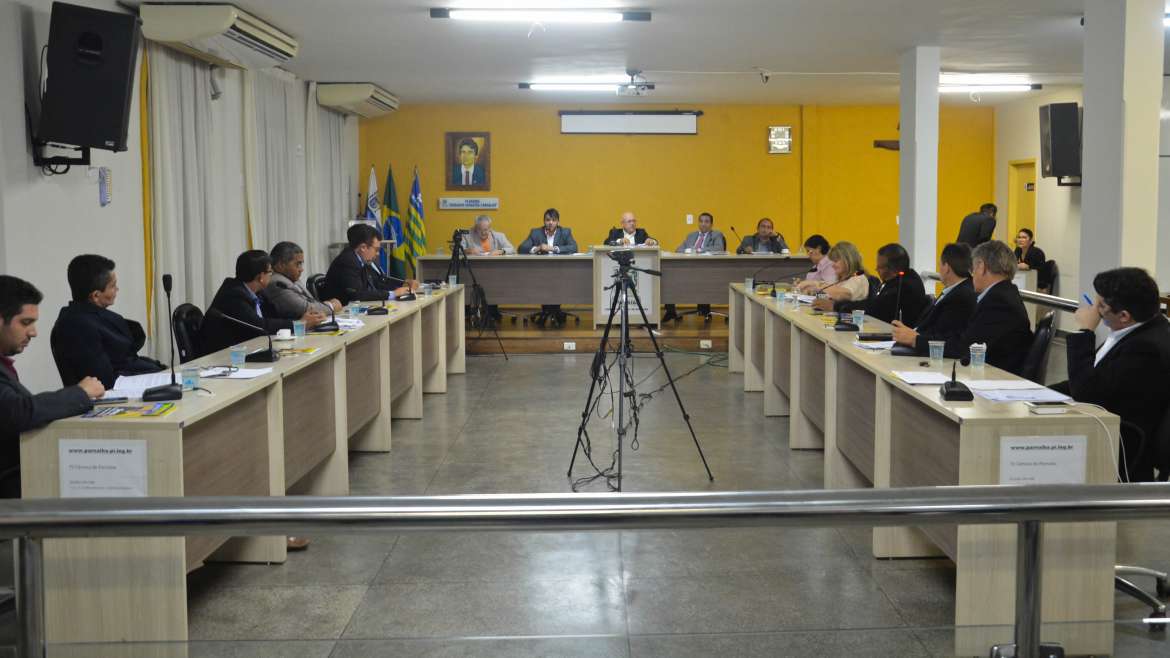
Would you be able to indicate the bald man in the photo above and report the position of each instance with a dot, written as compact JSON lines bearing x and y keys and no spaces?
{"x":629,"y":235}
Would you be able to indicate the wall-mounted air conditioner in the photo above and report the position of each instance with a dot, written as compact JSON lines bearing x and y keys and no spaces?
{"x":367,"y":100}
{"x":220,"y":34}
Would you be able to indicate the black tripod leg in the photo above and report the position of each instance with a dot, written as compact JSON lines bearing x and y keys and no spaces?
{"x":670,"y":380}
{"x":595,"y":372}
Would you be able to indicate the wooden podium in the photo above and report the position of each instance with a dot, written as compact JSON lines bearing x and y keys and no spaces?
{"x":647,"y":285}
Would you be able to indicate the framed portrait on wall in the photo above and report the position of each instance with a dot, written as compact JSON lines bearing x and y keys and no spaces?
{"x":469,"y":161}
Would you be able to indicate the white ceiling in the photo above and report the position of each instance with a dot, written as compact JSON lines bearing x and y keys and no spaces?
{"x":694,"y":50}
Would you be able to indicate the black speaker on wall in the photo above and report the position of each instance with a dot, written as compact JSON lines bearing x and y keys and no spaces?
{"x":1060,"y":140}
{"x":90,"y":64}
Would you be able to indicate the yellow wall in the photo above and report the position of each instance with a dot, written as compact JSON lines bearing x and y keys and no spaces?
{"x":833,"y":183}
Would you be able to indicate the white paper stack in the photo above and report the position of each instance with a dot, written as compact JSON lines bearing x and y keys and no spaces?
{"x":132,"y":386}
{"x":874,"y":345}
{"x":916,"y":377}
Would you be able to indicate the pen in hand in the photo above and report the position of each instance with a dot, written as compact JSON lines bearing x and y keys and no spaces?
{"x":1085,"y":297}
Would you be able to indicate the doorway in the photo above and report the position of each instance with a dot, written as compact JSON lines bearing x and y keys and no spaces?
{"x":1021,"y":197}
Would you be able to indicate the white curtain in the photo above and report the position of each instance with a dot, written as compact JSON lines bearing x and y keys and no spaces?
{"x":197,"y":180}
{"x":274,"y":155}
{"x":331,"y":192}
{"x":262,"y":155}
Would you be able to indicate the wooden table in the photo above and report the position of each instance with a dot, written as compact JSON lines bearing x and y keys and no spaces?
{"x":686,"y":278}
{"x":878,"y":431}
{"x":288,"y":431}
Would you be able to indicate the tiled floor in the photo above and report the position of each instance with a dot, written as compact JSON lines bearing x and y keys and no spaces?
{"x":510,"y":427}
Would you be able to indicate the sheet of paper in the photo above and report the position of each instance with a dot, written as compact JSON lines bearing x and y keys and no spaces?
{"x":1042,"y":459}
{"x":132,"y":386}
{"x":350,"y":323}
{"x":1000,"y":384}
{"x":222,"y":372}
{"x":102,"y":468}
{"x":1029,"y":395}
{"x":874,"y":345}
{"x":805,"y":299}
{"x":920,"y":377}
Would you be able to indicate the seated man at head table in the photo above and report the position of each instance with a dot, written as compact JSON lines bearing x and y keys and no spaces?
{"x":764,"y":241}
{"x":1000,"y":321}
{"x":90,"y":340}
{"x":551,"y":239}
{"x":287,"y":297}
{"x":239,"y":297}
{"x":817,"y":248}
{"x":353,"y":275}
{"x":629,"y":235}
{"x":483,"y":241}
{"x":901,"y":295}
{"x":852,"y":284}
{"x":948,"y":316}
{"x":20,"y":409}
{"x":706,"y":240}
{"x":1127,"y":373}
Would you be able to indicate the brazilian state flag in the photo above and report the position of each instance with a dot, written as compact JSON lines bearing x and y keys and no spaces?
{"x":392,"y":228}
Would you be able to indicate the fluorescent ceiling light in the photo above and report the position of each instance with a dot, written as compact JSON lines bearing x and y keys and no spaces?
{"x":511,"y":15}
{"x":605,"y":78}
{"x":979,"y":89}
{"x":580,"y":86}
{"x":984,"y":79}
{"x":1166,"y":21}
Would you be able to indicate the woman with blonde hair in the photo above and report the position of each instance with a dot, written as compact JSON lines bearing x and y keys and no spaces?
{"x":852,"y":284}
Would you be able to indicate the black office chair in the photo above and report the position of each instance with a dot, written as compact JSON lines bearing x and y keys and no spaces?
{"x":1037,"y":358}
{"x":316,"y":286}
{"x":1150,"y":463}
{"x":187,"y":320}
{"x":1046,"y":277}
{"x":551,"y":313}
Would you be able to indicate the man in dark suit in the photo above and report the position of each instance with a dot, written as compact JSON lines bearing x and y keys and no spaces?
{"x":1127,"y":373}
{"x":466,"y":173}
{"x":353,"y":275}
{"x":88,"y":338}
{"x":550,"y":240}
{"x":999,"y":321}
{"x":978,"y":227}
{"x":706,"y":240}
{"x":901,"y":293}
{"x":239,"y":298}
{"x":948,"y":316}
{"x":20,"y":410}
{"x":629,"y":234}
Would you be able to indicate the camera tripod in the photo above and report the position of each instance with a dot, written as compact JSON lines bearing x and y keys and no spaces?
{"x":623,"y":288}
{"x":481,"y":312}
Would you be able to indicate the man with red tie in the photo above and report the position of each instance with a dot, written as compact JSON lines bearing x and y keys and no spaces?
{"x":20,"y":410}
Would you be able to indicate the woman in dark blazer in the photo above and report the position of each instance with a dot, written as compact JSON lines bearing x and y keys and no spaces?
{"x":1028,"y":255}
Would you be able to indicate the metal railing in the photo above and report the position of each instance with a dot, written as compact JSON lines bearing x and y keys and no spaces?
{"x":29,"y":522}
{"x":1039,"y":298}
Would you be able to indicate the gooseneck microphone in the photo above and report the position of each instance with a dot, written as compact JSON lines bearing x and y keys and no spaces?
{"x":264,"y":356}
{"x":898,"y":300}
{"x":174,"y":390}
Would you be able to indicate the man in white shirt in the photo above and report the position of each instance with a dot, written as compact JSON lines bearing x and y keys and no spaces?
{"x":629,"y":235}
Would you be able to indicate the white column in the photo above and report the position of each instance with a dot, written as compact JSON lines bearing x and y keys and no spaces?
{"x":1119,"y":170}
{"x":918,"y":156}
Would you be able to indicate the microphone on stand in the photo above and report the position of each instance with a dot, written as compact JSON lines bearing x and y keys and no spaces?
{"x":732,"y":229}
{"x":264,"y":356}
{"x":898,"y":302}
{"x":174,"y":390}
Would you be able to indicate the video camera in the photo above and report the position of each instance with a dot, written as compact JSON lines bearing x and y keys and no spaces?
{"x":624,"y":257}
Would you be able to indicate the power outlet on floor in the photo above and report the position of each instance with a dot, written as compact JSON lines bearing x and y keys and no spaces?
{"x":704,"y":344}
{"x":570,"y":346}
